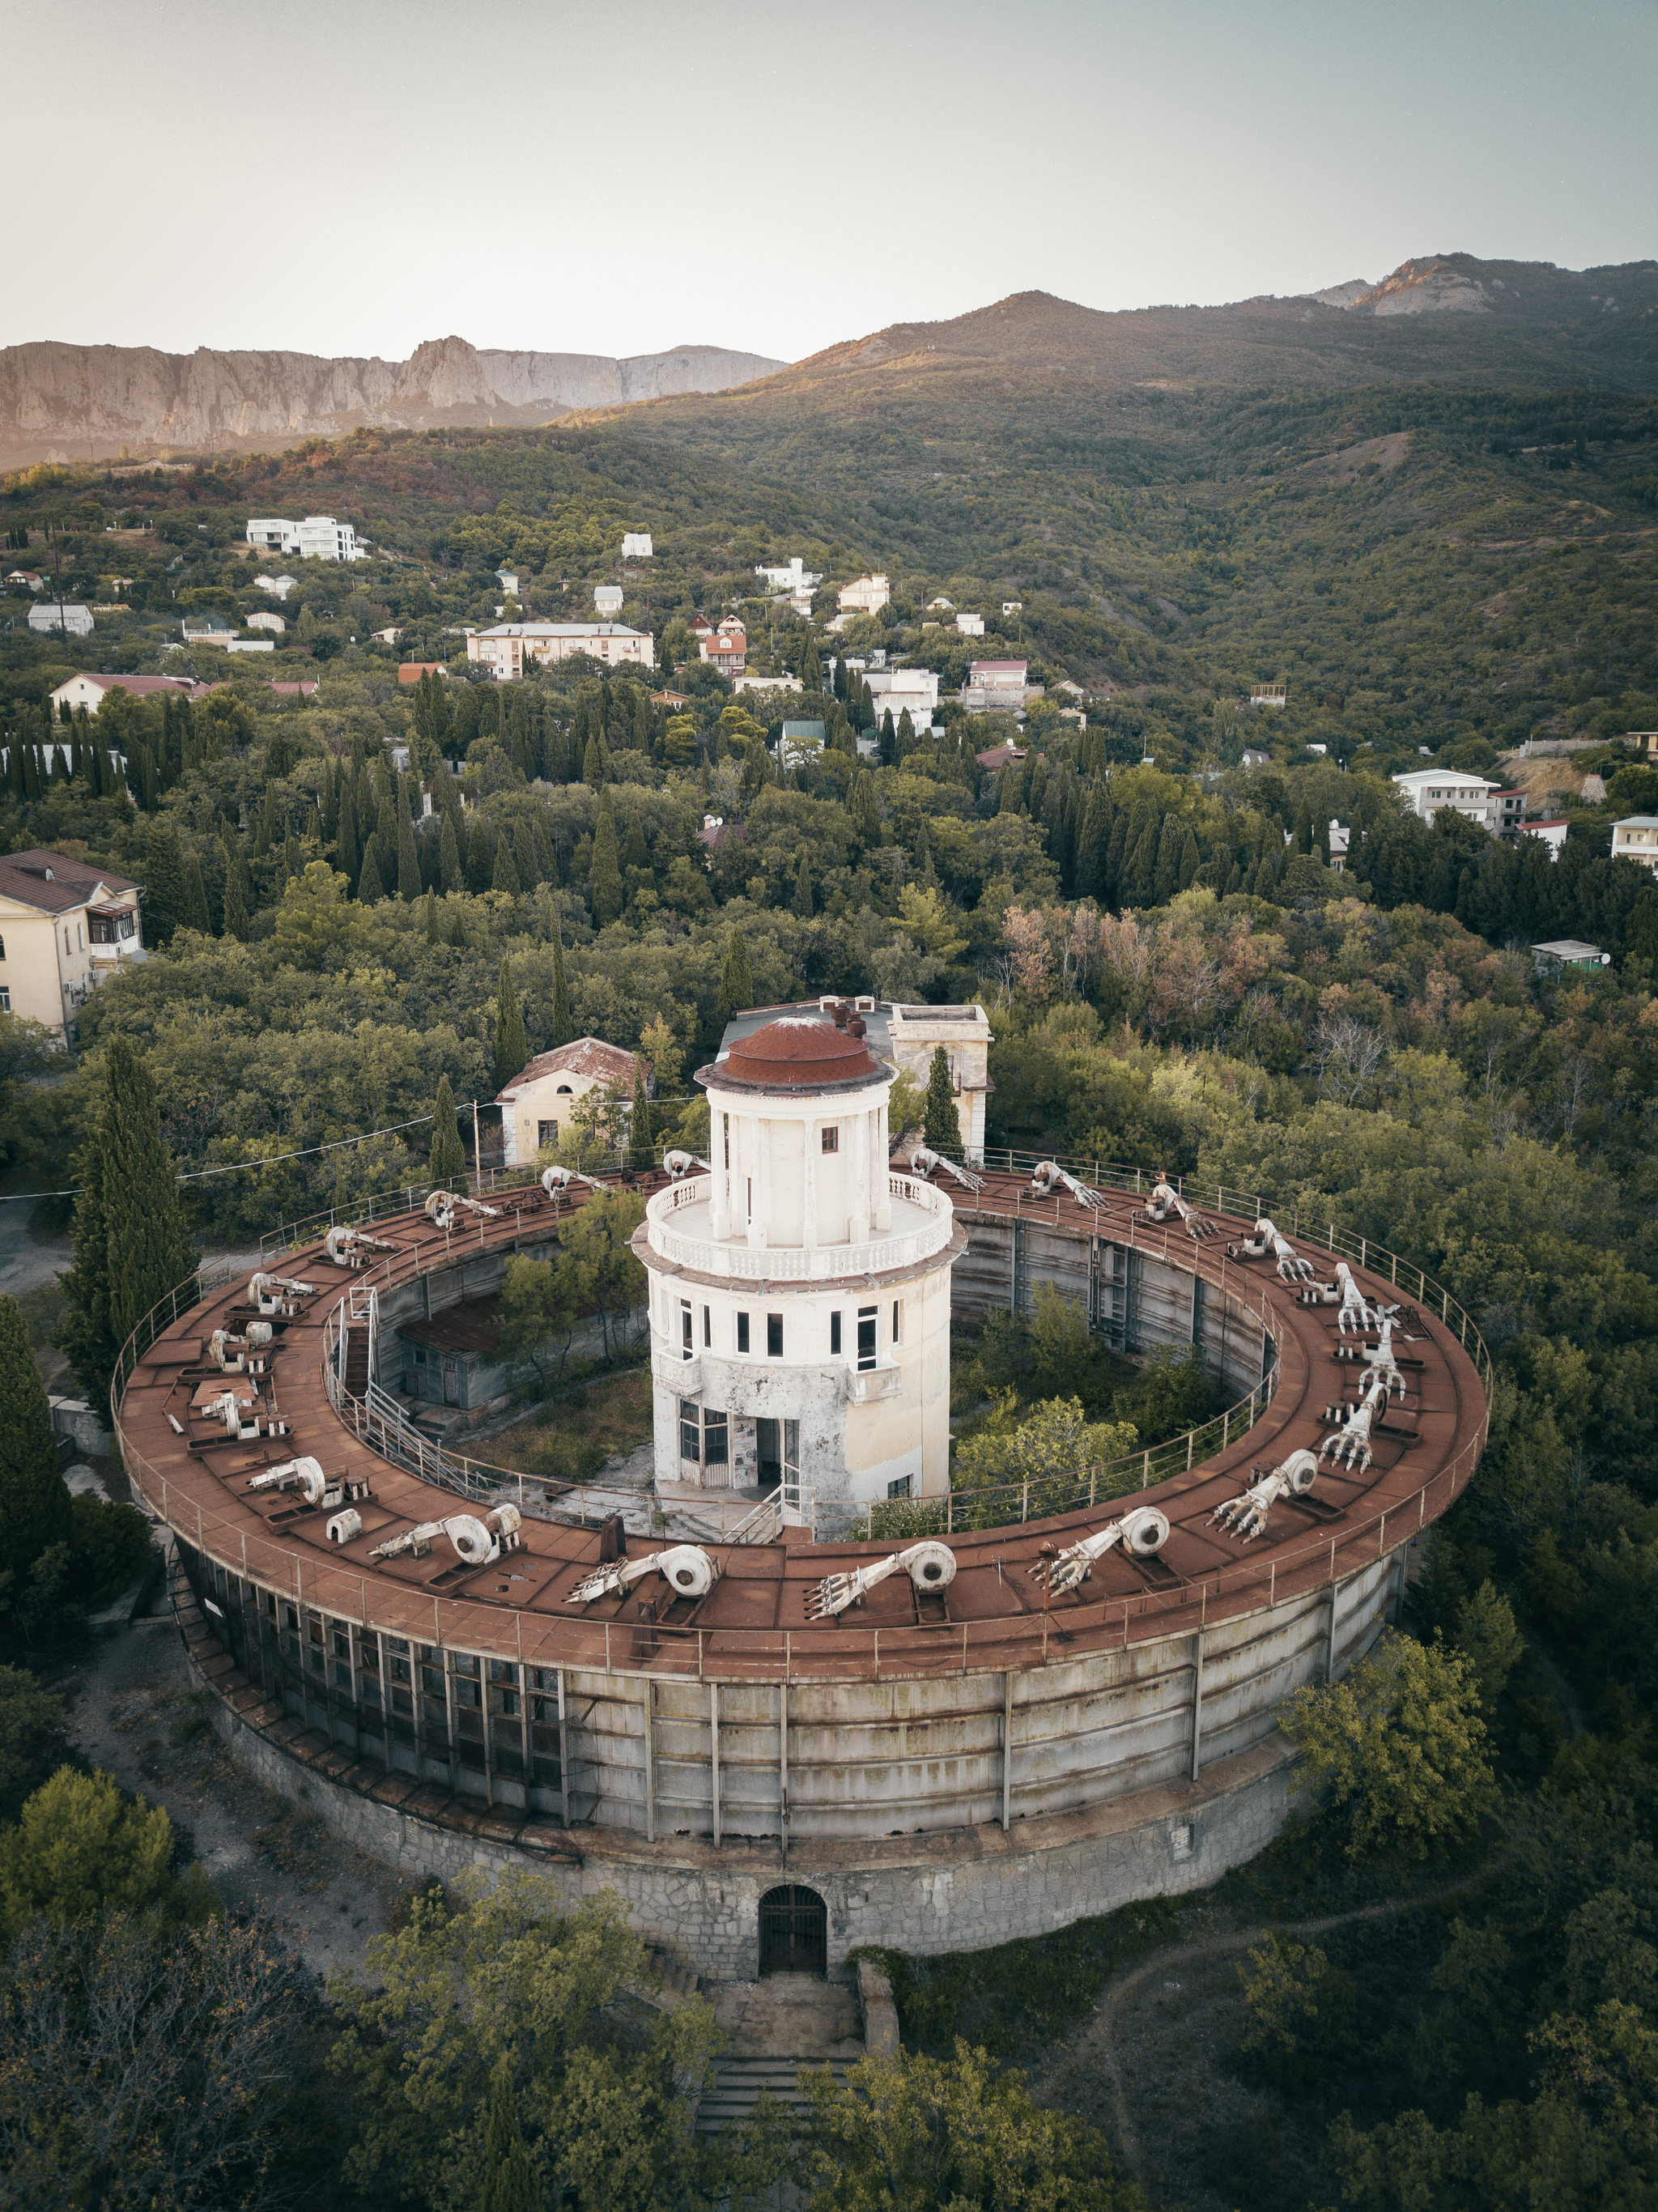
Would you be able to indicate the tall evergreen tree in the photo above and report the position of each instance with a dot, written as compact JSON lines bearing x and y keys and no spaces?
{"x":200,"y":917}
{"x":433,"y":936}
{"x":446,"y":1161}
{"x":480,"y":855}
{"x":942,"y":1126}
{"x":904,"y":736}
{"x":1113,"y":857}
{"x":167,"y":885}
{"x":130,"y":1244}
{"x":886,"y":750}
{"x":803,"y":887}
{"x":640,"y":1149}
{"x":1140,"y":866}
{"x":1165,"y":877}
{"x":510,"y":2183}
{"x":1189,"y":862}
{"x":408,"y":860}
{"x":512,"y":1043}
{"x":34,"y":1509}
{"x":370,"y":889}
{"x":635,"y":854}
{"x":505,"y":875}
{"x":737,"y":984}
{"x":348,"y":854}
{"x":811,"y":670}
{"x":449,"y":875}
{"x":865,"y":813}
{"x":604,"y":890}
{"x":592,"y":763}
{"x":235,"y":899}
{"x":524,"y":853}
{"x":563,"y":1029}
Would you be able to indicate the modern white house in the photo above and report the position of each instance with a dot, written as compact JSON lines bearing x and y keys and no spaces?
{"x":864,"y":595}
{"x":61,"y":614}
{"x":970,"y":625}
{"x":607,"y":601}
{"x":800,"y":1291}
{"x":1552,"y":834}
{"x":1428,"y":789}
{"x":278,"y":586}
{"x":505,"y":647}
{"x":1636,"y":838}
{"x":795,"y":578}
{"x":636,"y":545}
{"x":316,"y":537}
{"x":90,"y":691}
{"x":896,"y":691}
{"x":262,"y":618}
{"x":999,"y":684}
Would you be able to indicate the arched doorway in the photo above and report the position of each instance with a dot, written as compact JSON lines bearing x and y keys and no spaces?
{"x":793,"y":1932}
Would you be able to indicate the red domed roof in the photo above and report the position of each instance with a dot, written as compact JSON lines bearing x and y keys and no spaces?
{"x":798,"y":1052}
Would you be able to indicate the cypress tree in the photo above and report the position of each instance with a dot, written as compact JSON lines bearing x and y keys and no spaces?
{"x":408,"y":860}
{"x":446,"y":1161}
{"x":1303,"y":828}
{"x":449,"y":876}
{"x":864,"y":812}
{"x":457,"y":933}
{"x":737,"y":984}
{"x":505,"y":877}
{"x":265,"y":836}
{"x":167,"y":886}
{"x":524,"y":853}
{"x":904,"y":737}
{"x":370,"y":889}
{"x":198,"y":917}
{"x":512,"y":1043}
{"x":35,"y":1511}
{"x":592,"y":763}
{"x":1114,"y":854}
{"x":432,"y":936}
{"x":1094,"y":844}
{"x":887,"y":746}
{"x":1140,"y":866}
{"x":235,"y":899}
{"x":1188,"y":862}
{"x":639,"y":1148}
{"x":130,"y":1243}
{"x":803,"y":887}
{"x":942,"y":1126}
{"x":1165,"y":879}
{"x":811,"y":670}
{"x":347,"y":859}
{"x":480,"y":858}
{"x":604,"y":890}
{"x":562,"y":1027}
{"x":634,"y":852}
{"x":509,"y":2178}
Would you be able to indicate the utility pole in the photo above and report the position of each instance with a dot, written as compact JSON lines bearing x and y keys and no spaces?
{"x":477,"y":1155}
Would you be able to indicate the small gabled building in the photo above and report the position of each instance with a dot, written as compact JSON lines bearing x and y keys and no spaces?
{"x":535,"y":1107}
{"x":64,"y":925}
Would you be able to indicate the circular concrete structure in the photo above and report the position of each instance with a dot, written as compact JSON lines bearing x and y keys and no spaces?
{"x":944,"y":1770}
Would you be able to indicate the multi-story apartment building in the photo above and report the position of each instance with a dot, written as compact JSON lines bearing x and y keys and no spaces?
{"x":506,"y":647}
{"x":1636,"y":838}
{"x":63,"y":927}
{"x":317,"y":537}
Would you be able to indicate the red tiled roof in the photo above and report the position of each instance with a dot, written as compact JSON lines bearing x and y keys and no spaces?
{"x":304,"y":688}
{"x":142,"y":684}
{"x":73,"y":883}
{"x":410,"y":671}
{"x":797,"y":1050}
{"x":588,"y":1056}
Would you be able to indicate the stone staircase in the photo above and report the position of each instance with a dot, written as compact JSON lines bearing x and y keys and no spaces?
{"x":739,"y":2083}
{"x":773,"y":2027}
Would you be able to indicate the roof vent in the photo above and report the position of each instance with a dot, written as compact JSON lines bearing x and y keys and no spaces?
{"x":838,"y":1012}
{"x":857,"y":1026}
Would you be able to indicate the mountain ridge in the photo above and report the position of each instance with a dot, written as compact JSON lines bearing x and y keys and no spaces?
{"x":75,"y":403}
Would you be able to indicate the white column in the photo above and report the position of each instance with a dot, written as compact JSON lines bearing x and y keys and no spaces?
{"x":881,"y":1208}
{"x":757,"y":1174}
{"x":809,"y":1187}
{"x":740,"y":1164}
{"x":720,"y":1203}
{"x":857,"y":1227}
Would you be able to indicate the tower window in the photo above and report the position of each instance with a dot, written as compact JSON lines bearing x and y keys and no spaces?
{"x":690,"y":1445}
{"x":774,"y":1336}
{"x":707,"y":1327}
{"x":715,"y":1429}
{"x":834,"y":1333}
{"x":868,"y":1317}
{"x":742,"y":1332}
{"x":897,"y":1309}
{"x":832,"y":1139}
{"x":685,"y":1346}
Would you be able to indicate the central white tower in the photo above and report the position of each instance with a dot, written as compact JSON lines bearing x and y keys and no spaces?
{"x":800,"y":1292}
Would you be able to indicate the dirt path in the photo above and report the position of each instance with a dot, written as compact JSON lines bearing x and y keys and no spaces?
{"x":1092,"y":2051}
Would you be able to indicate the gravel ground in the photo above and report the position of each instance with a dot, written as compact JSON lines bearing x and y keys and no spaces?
{"x":127,"y":1697}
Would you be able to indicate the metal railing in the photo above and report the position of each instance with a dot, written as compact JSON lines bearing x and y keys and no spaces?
{"x":219,"y":1529}
{"x":705,"y":1256}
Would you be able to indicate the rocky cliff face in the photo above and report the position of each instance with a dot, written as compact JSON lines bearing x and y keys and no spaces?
{"x":65,"y":402}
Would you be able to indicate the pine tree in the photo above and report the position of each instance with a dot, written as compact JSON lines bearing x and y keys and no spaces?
{"x":449,"y":876}
{"x":446,"y":1161}
{"x":564,"y":1028}
{"x":737,"y":984}
{"x":235,"y":899}
{"x":505,"y":875}
{"x":511,"y":1043}
{"x":640,"y":1151}
{"x":167,"y":886}
{"x":370,"y":889}
{"x":131,"y":1245}
{"x":509,"y":2178}
{"x":942,"y":1126}
{"x":604,"y":889}
{"x":803,"y":887}
{"x":34,"y":1509}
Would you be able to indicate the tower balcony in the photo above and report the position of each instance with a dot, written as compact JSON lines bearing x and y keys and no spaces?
{"x":679,"y":1224}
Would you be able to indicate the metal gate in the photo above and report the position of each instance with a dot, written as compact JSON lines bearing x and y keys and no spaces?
{"x":793,"y":1932}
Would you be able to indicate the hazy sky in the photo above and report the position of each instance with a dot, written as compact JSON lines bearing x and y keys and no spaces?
{"x":355,"y":177}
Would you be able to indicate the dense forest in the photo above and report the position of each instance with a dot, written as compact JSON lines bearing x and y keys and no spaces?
{"x":359,"y":893}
